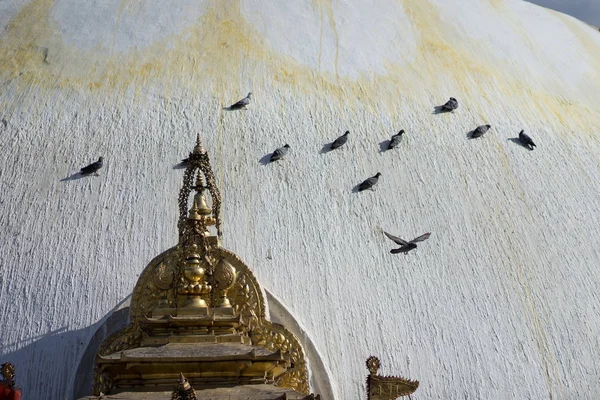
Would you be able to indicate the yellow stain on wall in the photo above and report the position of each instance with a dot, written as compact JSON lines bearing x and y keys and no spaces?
{"x":324,"y":8}
{"x":20,"y":43}
{"x":224,"y":52}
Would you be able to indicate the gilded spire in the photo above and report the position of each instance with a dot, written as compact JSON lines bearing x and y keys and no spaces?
{"x":194,"y":222}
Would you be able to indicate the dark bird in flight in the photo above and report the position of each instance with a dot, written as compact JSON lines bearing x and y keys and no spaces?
{"x":339,"y":142}
{"x":396,"y":139}
{"x":406,"y":246}
{"x":279,"y":153}
{"x":369,"y":183}
{"x":480,"y":130}
{"x":242,"y":103}
{"x":92,"y":168}
{"x":526,"y":140}
{"x":450,"y":105}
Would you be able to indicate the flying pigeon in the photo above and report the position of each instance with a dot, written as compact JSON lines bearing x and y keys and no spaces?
{"x":279,"y":153}
{"x":242,"y":103}
{"x":339,"y":142}
{"x":526,"y":140}
{"x":395,"y":140}
{"x":480,"y":130}
{"x":92,"y":168}
{"x":406,"y":246}
{"x":450,"y":105}
{"x":369,"y":183}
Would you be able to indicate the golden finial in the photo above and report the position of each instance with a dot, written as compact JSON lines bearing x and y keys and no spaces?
{"x":199,"y":149}
{"x":373,"y":364}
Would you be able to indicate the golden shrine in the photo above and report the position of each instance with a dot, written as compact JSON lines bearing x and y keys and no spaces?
{"x":198,"y":324}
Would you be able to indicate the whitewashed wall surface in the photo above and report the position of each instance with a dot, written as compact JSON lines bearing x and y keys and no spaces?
{"x":500,"y":303}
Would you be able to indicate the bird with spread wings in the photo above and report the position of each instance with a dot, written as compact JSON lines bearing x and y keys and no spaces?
{"x":406,"y":246}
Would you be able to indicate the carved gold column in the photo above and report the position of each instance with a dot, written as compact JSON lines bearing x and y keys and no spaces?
{"x":193,"y":287}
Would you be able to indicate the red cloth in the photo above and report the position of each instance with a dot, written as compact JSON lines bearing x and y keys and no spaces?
{"x":6,"y":393}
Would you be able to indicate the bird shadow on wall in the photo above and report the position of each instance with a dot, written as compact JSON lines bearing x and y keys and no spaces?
{"x":233,"y":108}
{"x":73,"y":177}
{"x":518,"y":141}
{"x":265,"y":159}
{"x":383,"y":146}
{"x":438,"y":110}
{"x":326,"y":148}
{"x":60,"y":364}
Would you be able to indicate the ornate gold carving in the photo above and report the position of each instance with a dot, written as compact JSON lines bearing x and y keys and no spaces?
{"x":223,"y":276}
{"x":276,"y":337}
{"x":104,"y":382}
{"x":245,"y":294}
{"x":199,"y":292}
{"x":386,"y":387}
{"x":164,"y":276}
{"x":123,"y":339}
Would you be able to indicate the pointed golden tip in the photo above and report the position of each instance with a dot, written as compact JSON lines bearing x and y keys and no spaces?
{"x":199,"y":149}
{"x":183,"y":382}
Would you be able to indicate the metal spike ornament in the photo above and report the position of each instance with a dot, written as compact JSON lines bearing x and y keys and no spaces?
{"x":387,"y":387}
{"x":183,"y":391}
{"x":199,"y":176}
